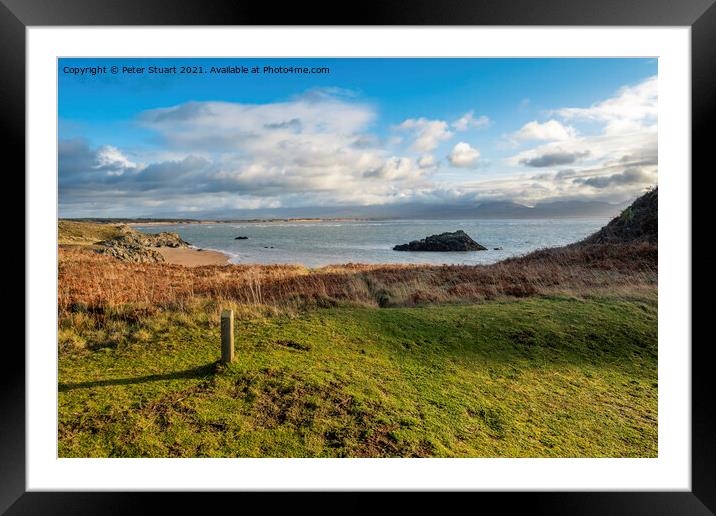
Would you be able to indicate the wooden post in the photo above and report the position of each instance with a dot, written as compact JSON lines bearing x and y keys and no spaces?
{"x":227,"y":336}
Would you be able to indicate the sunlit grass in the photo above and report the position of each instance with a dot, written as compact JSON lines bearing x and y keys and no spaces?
{"x":540,"y":377}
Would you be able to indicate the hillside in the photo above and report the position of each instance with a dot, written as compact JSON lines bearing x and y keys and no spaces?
{"x":639,"y":222}
{"x":628,"y":241}
{"x":71,"y":232}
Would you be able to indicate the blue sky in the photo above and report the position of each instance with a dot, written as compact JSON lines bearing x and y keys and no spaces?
{"x":371,"y":131}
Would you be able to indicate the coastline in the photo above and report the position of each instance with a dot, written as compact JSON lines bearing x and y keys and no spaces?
{"x":247,"y":221}
{"x":192,"y":257}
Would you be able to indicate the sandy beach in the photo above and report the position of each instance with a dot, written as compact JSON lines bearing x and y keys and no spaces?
{"x":192,"y":257}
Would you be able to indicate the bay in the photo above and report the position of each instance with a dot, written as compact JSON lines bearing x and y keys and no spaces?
{"x":316,"y":244}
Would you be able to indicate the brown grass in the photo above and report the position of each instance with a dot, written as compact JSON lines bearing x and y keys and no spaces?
{"x":90,"y":282}
{"x":84,"y":233}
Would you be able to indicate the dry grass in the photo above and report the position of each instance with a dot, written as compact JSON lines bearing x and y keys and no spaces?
{"x":88,"y":282}
{"x":84,"y":233}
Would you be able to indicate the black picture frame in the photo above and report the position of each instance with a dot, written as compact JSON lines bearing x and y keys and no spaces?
{"x":700,"y":15}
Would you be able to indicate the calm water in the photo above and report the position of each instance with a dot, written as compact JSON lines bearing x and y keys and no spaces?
{"x":315,"y":244}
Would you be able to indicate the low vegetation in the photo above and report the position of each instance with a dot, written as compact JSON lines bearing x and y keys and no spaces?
{"x":71,"y":232}
{"x":639,"y":222}
{"x":536,"y":377}
{"x":549,"y":354}
{"x":91,"y":282}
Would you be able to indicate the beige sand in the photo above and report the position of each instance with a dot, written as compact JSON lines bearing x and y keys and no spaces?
{"x":192,"y":257}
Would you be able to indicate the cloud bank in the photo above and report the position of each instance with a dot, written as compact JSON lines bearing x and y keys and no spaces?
{"x":326,"y":149}
{"x":619,"y":160}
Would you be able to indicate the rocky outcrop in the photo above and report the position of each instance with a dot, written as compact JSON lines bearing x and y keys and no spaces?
{"x":133,"y":246}
{"x":130,"y":252}
{"x":456,"y":241}
{"x":135,"y":238}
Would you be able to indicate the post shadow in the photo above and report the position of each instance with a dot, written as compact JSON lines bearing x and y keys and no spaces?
{"x":202,"y":371}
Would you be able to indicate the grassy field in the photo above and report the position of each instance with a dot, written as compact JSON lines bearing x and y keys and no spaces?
{"x":552,"y":354}
{"x":541,"y":376}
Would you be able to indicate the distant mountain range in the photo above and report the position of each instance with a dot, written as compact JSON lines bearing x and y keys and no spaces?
{"x":485,"y":210}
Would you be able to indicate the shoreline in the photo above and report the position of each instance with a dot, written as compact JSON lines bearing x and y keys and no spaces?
{"x":248,"y":221}
{"x":192,"y":257}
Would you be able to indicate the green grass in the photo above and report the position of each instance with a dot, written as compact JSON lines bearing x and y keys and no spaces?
{"x":85,"y":233}
{"x":540,"y":377}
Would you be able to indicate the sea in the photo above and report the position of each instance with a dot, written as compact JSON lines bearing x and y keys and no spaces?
{"x":316,"y":244}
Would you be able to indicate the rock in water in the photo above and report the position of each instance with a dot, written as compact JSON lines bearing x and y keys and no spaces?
{"x":457,"y":241}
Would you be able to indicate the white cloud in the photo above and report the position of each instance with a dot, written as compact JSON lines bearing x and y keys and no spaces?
{"x":600,"y":148}
{"x":397,"y":168}
{"x":111,"y":160}
{"x":227,"y":126}
{"x":549,"y":130}
{"x":427,"y":161}
{"x":268,"y":154}
{"x":320,"y":150}
{"x":628,"y":132}
{"x":613,"y":183}
{"x":428,"y":133}
{"x":468,"y":120}
{"x":632,"y":109}
{"x":617,"y":162}
{"x":463,"y":155}
{"x":318,"y":145}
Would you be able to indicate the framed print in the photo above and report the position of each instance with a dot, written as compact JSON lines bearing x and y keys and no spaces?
{"x":416,"y":250}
